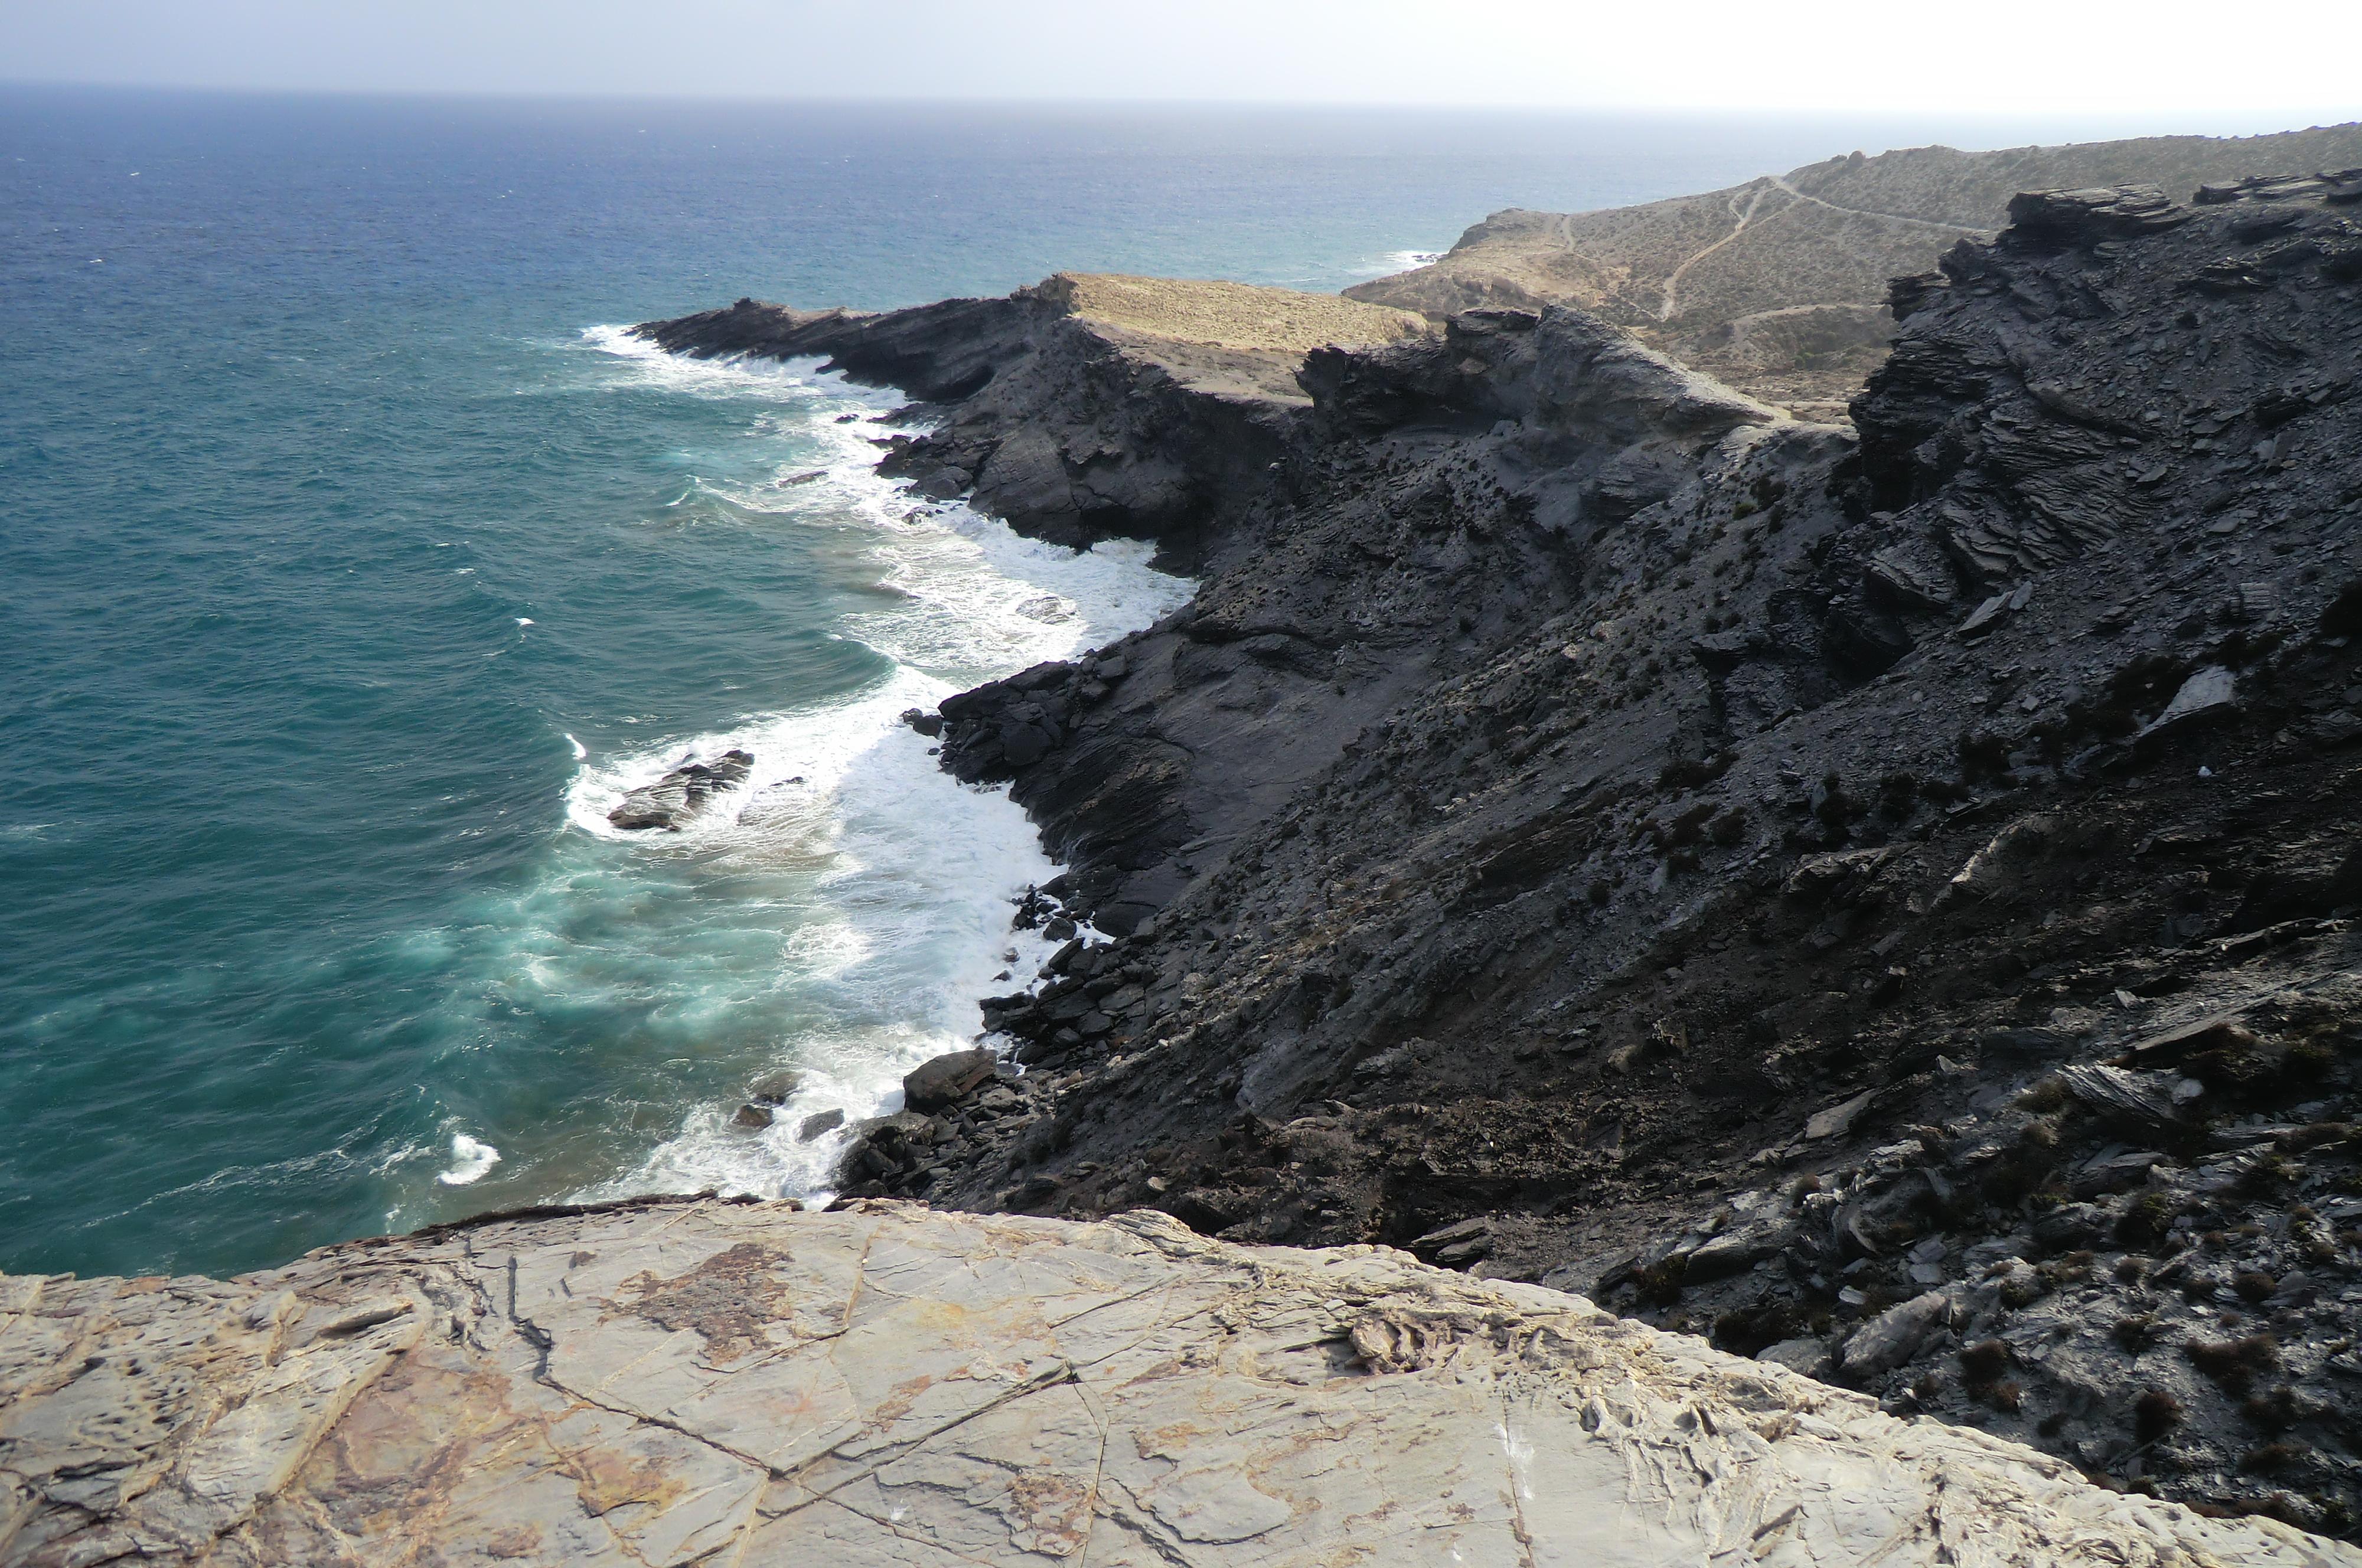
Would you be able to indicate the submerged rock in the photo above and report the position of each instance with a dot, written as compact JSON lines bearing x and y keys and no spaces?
{"x":673,"y":800}
{"x":674,"y":1382}
{"x":775,"y":1089}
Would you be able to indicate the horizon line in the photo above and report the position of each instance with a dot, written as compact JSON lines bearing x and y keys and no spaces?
{"x":2321,"y":117}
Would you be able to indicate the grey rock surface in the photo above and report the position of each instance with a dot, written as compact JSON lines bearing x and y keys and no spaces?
{"x":681,"y":796}
{"x":703,"y":1382}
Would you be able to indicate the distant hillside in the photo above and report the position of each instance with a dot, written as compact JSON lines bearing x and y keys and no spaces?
{"x":1778,"y":285}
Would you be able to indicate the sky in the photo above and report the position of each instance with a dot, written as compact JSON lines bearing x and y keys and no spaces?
{"x":2265,"y":64}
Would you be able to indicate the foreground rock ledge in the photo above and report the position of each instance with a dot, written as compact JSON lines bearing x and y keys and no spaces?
{"x":703,"y":1381}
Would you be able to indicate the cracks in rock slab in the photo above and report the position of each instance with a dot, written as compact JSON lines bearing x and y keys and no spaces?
{"x":532,"y":1332}
{"x":1514,"y":1466}
{"x":544,"y":1342}
{"x":860,"y":1283}
{"x":895,"y":1529}
{"x":1065,"y":1372}
{"x":753,"y":1522}
{"x":1163,"y":1285}
{"x":1098,"y":1468}
{"x":1132,"y":1523}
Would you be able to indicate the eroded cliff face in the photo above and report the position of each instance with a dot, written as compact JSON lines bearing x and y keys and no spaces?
{"x":1087,"y":407}
{"x":1883,"y":902}
{"x":699,"y":1382}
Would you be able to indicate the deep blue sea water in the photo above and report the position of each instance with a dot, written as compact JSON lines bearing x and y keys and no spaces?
{"x":351,"y":564}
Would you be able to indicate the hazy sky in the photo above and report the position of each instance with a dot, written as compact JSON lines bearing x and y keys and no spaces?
{"x":2256,"y":65}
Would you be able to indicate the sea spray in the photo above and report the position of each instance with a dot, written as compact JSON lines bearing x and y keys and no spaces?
{"x":911,"y":875}
{"x":470,"y":1158}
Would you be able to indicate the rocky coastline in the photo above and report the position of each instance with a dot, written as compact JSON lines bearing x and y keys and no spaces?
{"x":1879,"y":897}
{"x":1876,"y":907}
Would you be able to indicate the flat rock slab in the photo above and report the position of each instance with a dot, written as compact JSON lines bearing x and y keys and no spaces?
{"x":701,"y":1381}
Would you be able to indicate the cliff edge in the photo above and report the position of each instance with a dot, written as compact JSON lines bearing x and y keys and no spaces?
{"x":706,"y":1383}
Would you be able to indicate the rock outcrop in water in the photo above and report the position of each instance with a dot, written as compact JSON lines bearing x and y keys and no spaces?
{"x":1087,"y":407}
{"x":1883,"y":901}
{"x":681,"y":796}
{"x":709,"y":1383}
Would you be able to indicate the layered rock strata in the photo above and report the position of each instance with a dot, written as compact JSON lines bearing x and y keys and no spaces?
{"x":705,"y":1381}
{"x":1588,"y":825}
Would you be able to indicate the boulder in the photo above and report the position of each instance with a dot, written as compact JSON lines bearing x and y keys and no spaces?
{"x":1740,"y":1248}
{"x":1894,"y":1336}
{"x":1838,"y":1119}
{"x":2153,"y":1099}
{"x":775,"y":1089}
{"x":884,"y":1147}
{"x":944,"y":1080}
{"x":1808,"y":1357}
{"x":2210,"y":693}
{"x":2002,"y":862}
{"x":812,"y":1126}
{"x":2073,"y":1225}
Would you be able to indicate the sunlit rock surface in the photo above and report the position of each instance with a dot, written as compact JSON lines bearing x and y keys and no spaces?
{"x":713,"y":1381}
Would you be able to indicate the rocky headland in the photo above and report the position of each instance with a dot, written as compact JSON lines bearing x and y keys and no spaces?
{"x":1778,"y":286}
{"x":1877,"y":896}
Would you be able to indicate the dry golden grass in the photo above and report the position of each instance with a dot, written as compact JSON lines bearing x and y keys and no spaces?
{"x":1229,"y":315}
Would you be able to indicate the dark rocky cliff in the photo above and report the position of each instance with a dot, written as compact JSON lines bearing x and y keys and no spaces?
{"x":1883,"y":903}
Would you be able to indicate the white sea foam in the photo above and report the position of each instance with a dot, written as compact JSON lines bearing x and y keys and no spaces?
{"x":912,"y":874}
{"x":735,"y":377}
{"x":1395,"y":261}
{"x":470,"y":1158}
{"x":899,"y":880}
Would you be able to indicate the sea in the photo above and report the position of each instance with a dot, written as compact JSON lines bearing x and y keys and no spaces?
{"x":355,"y":559}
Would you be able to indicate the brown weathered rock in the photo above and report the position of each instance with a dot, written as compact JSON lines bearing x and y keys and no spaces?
{"x":697,"y":1382}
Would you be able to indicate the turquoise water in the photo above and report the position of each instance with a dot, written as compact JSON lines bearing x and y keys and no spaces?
{"x":351,"y":563}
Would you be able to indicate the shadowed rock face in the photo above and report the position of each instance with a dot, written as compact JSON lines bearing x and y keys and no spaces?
{"x":699,"y":1382}
{"x":1086,"y":407}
